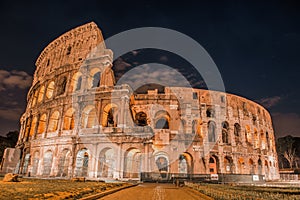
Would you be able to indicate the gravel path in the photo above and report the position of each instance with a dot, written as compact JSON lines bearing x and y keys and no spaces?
{"x":148,"y":191}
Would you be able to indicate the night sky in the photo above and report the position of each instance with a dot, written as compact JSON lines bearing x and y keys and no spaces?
{"x":255,"y":44}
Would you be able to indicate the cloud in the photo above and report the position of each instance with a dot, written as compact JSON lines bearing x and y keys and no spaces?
{"x":13,"y":85}
{"x":153,"y":73}
{"x":11,"y":114}
{"x":14,"y":79}
{"x":269,"y":102}
{"x":286,"y":124}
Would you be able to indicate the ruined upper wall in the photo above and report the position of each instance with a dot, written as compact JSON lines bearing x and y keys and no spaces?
{"x":70,"y":48}
{"x":234,"y":106}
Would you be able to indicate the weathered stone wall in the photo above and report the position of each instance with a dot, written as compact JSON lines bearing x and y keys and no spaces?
{"x":78,"y":123}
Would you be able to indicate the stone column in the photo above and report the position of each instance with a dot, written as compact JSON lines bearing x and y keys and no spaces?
{"x":36,"y":126}
{"x":60,"y":122}
{"x":55,"y":160}
{"x":121,"y":117}
{"x":146,"y":157}
{"x":120,"y":161}
{"x":47,"y":123}
{"x":93,"y":166}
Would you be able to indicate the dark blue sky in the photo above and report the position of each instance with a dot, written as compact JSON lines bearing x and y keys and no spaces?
{"x":255,"y":44}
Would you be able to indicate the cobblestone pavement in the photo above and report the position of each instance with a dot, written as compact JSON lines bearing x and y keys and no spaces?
{"x":149,"y":191}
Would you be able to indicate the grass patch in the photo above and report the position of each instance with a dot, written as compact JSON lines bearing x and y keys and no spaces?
{"x":52,"y":189}
{"x":227,"y":192}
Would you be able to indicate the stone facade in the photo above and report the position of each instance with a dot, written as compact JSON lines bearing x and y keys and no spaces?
{"x":79,"y":123}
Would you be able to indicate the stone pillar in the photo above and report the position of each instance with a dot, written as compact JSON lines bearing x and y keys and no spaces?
{"x":120,"y":161}
{"x":40,"y":164}
{"x":60,"y":122}
{"x":126,"y":112}
{"x":122,"y":110}
{"x":36,"y":126}
{"x":99,"y":116}
{"x":55,"y":161}
{"x":47,"y":123}
{"x":93,"y":156}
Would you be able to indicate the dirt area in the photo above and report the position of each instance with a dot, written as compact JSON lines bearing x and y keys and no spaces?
{"x":52,"y":189}
{"x":150,"y":191}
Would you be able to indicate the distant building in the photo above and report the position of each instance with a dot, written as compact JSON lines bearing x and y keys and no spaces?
{"x":79,"y":123}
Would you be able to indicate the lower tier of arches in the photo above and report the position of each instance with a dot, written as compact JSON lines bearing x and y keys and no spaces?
{"x":128,"y":160}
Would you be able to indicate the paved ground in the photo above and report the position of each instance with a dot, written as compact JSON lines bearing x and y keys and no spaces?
{"x":151,"y":191}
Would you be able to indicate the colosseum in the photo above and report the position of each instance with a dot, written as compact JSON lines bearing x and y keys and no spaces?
{"x":79,"y":123}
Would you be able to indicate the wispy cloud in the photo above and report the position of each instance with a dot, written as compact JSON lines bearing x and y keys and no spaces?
{"x":14,"y":79}
{"x":153,"y":73}
{"x":269,"y":102}
{"x":13,"y":85}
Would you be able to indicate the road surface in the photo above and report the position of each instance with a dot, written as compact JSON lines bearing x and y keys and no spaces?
{"x":151,"y":191}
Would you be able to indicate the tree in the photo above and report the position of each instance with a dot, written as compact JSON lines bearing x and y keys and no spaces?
{"x":289,"y":155}
{"x":9,"y":141}
{"x":12,"y":136}
{"x":286,"y":151}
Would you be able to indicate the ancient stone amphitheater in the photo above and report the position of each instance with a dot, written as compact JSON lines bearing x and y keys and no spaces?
{"x":79,"y":123}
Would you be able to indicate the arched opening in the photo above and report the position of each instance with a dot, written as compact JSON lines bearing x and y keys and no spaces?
{"x":241,"y":165}
{"x":251,"y":166}
{"x":62,"y":86}
{"x":96,"y":80}
{"x":228,"y":164}
{"x":25,"y":163}
{"x":162,"y":120}
{"x":64,"y":162}
{"x":35,"y":163}
{"x":248,"y":136}
{"x":89,"y":117}
{"x":82,"y":163}
{"x":259,"y":166}
{"x":42,"y":124}
{"x":262,"y":140}
{"x":162,"y":123}
{"x":92,"y":119}
{"x":76,"y":81}
{"x":69,"y":50}
{"x":162,"y":164}
{"x":211,"y":131}
{"x":110,"y":114}
{"x":213,"y":165}
{"x":33,"y":127}
{"x":41,"y":94}
{"x":69,"y":121}
{"x":94,"y":77}
{"x":256,"y":141}
{"x":50,"y":89}
{"x":225,"y":133}
{"x":106,"y":163}
{"x":185,"y":166}
{"x":237,"y":133}
{"x":53,"y":122}
{"x":78,"y":84}
{"x":266,"y":170}
{"x":47,"y":162}
{"x":141,"y":119}
{"x":210,"y":112}
{"x":132,"y":163}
